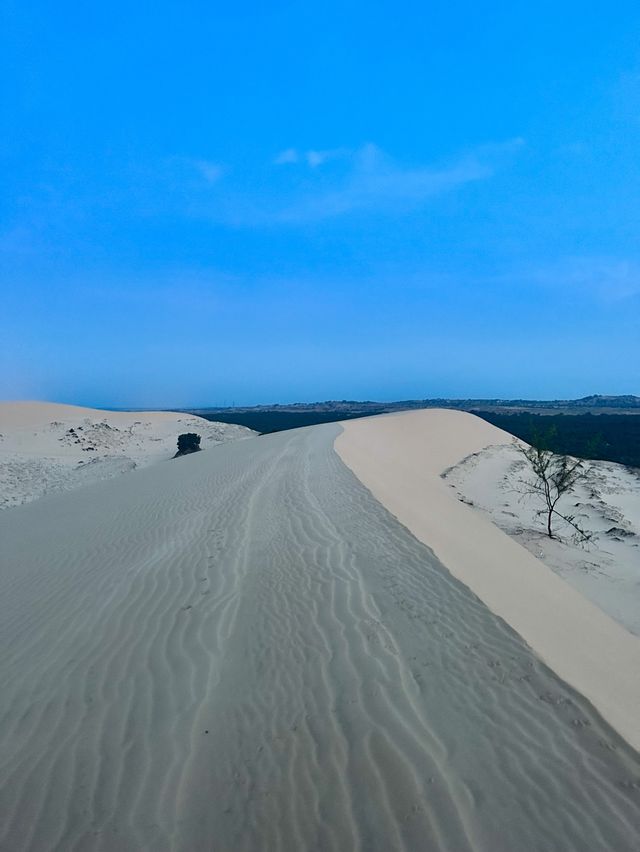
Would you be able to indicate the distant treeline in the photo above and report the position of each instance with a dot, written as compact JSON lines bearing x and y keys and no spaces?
{"x":611,"y":437}
{"x":266,"y":421}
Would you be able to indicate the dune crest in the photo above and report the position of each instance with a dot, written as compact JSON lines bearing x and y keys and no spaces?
{"x":401,"y":459}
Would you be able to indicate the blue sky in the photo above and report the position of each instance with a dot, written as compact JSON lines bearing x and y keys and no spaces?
{"x":209,"y":203}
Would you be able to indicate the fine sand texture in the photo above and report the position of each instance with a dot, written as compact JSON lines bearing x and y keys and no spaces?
{"x":243,"y":650}
{"x":606,"y":503}
{"x":48,"y":447}
{"x":401,"y":459}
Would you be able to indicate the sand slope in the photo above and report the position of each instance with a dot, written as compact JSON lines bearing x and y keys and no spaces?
{"x":401,"y":458}
{"x":243,"y":650}
{"x":607,"y":504}
{"x":48,"y":447}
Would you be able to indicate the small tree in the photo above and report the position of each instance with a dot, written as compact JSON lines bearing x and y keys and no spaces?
{"x":188,"y":442}
{"x":554,"y":476}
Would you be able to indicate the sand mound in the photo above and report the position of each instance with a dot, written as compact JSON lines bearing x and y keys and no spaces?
{"x":47,"y":447}
{"x":245,"y":651}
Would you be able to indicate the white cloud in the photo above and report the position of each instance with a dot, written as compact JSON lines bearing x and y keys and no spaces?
{"x":211,"y":172}
{"x":289,"y":155}
{"x":364,"y":180}
{"x":312,"y":158}
{"x":179,"y":169}
{"x":318,"y":158}
{"x":376,"y":182}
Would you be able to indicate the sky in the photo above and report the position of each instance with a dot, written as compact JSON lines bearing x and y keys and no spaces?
{"x":242,"y":203}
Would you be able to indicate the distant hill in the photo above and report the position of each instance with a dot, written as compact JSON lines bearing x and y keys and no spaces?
{"x":598,"y":401}
{"x":625,"y":401}
{"x":279,"y":417}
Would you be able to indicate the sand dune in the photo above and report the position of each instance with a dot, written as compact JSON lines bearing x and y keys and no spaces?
{"x":244,"y":650}
{"x":605,"y":569}
{"x":47,"y":447}
{"x":401,"y":458}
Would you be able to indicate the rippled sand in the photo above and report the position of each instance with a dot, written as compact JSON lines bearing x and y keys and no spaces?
{"x":243,"y":650}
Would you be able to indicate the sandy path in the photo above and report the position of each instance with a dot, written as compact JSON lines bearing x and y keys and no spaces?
{"x":243,"y":650}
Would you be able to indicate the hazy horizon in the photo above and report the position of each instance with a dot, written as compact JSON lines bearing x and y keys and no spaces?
{"x":281,"y":402}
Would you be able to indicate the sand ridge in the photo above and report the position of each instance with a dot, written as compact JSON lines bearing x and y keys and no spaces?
{"x":244,"y":650}
{"x":401,"y":458}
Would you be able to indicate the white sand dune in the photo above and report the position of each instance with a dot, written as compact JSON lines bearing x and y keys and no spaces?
{"x":606,"y":569}
{"x":401,"y":458}
{"x":244,"y":650}
{"x":47,"y":447}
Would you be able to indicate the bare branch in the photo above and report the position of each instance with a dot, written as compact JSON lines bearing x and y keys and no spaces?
{"x":555,"y":475}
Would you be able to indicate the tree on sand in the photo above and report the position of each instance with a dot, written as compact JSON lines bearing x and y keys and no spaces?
{"x":553,"y":476}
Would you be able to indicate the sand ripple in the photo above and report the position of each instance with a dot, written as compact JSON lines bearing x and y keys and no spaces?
{"x":244,"y":651}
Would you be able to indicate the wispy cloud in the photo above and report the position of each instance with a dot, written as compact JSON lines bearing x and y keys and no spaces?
{"x":211,"y":172}
{"x":375,"y":182}
{"x":610,"y":279}
{"x":312,"y":158}
{"x":188,"y":169}
{"x":289,"y":155}
{"x":365,"y":180}
{"x":318,"y":158}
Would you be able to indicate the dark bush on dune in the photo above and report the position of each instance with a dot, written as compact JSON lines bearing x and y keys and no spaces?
{"x":188,"y":442}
